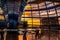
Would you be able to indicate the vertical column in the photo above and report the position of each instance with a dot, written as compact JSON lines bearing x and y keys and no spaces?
{"x":12,"y":34}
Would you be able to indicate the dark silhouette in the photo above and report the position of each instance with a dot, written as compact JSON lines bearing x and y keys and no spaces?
{"x":25,"y":27}
{"x":36,"y":34}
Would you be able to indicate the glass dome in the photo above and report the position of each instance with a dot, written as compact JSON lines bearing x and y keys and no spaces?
{"x":45,"y":13}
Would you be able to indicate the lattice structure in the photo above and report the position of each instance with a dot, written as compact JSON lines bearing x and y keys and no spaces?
{"x":48,"y":20}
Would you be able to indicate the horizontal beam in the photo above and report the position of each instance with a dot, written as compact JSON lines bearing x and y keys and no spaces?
{"x":44,"y":8}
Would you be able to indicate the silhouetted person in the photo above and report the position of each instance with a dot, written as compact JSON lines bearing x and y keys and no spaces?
{"x":2,"y":27}
{"x":25,"y":27}
{"x":24,"y":36}
{"x":36,"y":34}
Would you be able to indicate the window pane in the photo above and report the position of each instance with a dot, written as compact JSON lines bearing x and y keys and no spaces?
{"x":34,"y":6}
{"x":42,"y":5}
{"x":43,"y":13}
{"x":50,"y":5}
{"x":26,"y":14}
{"x":52,"y":13}
{"x":35,"y":13}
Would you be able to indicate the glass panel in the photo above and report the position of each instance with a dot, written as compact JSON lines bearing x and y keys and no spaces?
{"x":50,"y":5}
{"x":26,"y":14}
{"x":28,"y":7}
{"x":42,"y":5}
{"x":58,"y":12}
{"x":43,"y":14}
{"x":34,"y":6}
{"x":52,"y":13}
{"x":35,"y":13}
